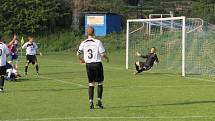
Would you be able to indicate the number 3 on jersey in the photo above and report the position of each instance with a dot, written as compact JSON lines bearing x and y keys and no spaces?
{"x":90,"y":53}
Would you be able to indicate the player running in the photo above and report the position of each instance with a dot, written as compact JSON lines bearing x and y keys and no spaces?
{"x":151,"y":58}
{"x":31,"y":51}
{"x":4,"y":52}
{"x":93,"y":50}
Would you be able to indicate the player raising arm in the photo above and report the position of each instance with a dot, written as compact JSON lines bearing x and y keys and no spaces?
{"x":13,"y":48}
{"x":151,"y":58}
{"x":31,"y":51}
{"x":93,"y":50}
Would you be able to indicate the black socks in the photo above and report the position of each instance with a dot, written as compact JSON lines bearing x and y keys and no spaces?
{"x":2,"y":82}
{"x":100,"y":91}
{"x":26,"y":69}
{"x":37,"y":68}
{"x":91,"y":93}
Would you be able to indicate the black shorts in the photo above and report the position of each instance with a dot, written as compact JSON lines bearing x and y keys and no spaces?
{"x":143,"y":65}
{"x":95,"y":72}
{"x":31,"y":59}
{"x":2,"y":70}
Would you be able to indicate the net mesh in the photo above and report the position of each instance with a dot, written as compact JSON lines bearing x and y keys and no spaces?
{"x":200,"y":57}
{"x":166,"y":36}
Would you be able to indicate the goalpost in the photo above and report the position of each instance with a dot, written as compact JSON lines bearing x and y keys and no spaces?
{"x":170,"y":43}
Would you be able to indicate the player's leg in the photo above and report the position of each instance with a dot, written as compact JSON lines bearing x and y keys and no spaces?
{"x":90,"y":74}
{"x":13,"y":77}
{"x":1,"y":83}
{"x":99,"y":79}
{"x":16,"y":63}
{"x":28,"y":61}
{"x":9,"y":72}
{"x":36,"y":64}
{"x":145,"y":68}
{"x":2,"y":73}
{"x":91,"y":94}
{"x":139,"y":66}
{"x":11,"y":57}
{"x":16,"y":60}
{"x":100,"y":93}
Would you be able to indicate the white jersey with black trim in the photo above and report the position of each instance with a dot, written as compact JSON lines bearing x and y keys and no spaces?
{"x":3,"y":54}
{"x":31,"y":48}
{"x":92,"y":50}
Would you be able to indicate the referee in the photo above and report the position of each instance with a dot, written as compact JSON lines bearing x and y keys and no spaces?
{"x":93,"y":51}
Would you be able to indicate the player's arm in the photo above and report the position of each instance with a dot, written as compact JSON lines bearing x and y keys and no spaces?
{"x":24,"y":46}
{"x":79,"y":56}
{"x":38,"y":50}
{"x":104,"y":55}
{"x":79,"y":52}
{"x":156,"y":58}
{"x":140,"y":55}
{"x":103,"y":52}
{"x":12,"y":41}
{"x":7,"y":51}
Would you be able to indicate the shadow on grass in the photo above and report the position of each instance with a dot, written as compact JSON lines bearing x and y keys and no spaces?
{"x":170,"y":104}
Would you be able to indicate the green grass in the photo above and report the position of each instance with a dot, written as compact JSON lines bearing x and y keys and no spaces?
{"x":61,"y":94}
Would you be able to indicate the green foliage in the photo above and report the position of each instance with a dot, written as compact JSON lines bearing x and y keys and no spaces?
{"x":29,"y":16}
{"x":60,"y":41}
{"x":203,"y":9}
{"x":114,"y":41}
{"x":70,"y":41}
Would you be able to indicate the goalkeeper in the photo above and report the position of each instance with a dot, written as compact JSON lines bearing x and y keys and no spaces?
{"x":151,"y":58}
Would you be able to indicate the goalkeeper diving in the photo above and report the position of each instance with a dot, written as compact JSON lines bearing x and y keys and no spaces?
{"x":151,"y":58}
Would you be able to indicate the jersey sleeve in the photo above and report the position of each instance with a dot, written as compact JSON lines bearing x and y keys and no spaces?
{"x":156,"y":58}
{"x":101,"y":48}
{"x":80,"y":49}
{"x":24,"y":46}
{"x":35,"y":46}
{"x":144,"y":56}
{"x":7,"y":50}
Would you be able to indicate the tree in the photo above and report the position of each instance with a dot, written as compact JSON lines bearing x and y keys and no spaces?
{"x":29,"y":16}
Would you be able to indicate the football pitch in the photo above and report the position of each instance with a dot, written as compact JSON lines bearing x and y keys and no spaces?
{"x":60,"y":93}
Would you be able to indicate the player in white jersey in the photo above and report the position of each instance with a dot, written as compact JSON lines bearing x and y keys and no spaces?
{"x":93,"y":51}
{"x":4,"y":52}
{"x":31,"y":51}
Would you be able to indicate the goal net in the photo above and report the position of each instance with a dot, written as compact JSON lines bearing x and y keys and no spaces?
{"x":184,"y":46}
{"x":200,"y":48}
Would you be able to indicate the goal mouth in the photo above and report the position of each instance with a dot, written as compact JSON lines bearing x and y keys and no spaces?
{"x":182,"y":44}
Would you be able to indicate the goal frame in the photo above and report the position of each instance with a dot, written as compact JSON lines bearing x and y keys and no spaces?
{"x":183,"y":18}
